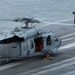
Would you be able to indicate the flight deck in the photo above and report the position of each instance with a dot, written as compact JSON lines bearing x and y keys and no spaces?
{"x":62,"y":63}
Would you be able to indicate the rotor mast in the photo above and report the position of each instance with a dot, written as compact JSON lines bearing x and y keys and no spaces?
{"x":26,"y":21}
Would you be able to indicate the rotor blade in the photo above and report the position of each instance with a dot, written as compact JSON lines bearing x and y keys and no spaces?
{"x":6,"y":20}
{"x":28,"y":20}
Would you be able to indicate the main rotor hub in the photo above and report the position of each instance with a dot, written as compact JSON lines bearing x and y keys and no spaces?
{"x":26,"y":21}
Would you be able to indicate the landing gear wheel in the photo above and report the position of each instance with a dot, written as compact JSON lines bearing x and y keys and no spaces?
{"x":47,"y":55}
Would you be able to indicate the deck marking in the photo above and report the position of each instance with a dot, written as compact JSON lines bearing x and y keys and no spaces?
{"x":8,"y":66}
{"x":67,"y":46}
{"x":68,"y":39}
{"x":67,"y":35}
{"x":70,"y":73}
{"x":63,"y":47}
{"x":57,"y":22}
{"x":15,"y":64}
{"x":52,"y":67}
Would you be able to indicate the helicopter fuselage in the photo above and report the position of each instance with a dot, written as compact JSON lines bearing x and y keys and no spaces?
{"x":28,"y":42}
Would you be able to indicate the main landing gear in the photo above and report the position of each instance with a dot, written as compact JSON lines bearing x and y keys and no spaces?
{"x":47,"y":56}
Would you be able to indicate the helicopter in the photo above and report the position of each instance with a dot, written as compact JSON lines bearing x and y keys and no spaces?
{"x":28,"y":41}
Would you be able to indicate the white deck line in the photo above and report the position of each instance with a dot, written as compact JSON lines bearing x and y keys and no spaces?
{"x":67,"y":46}
{"x":64,"y":40}
{"x":52,"y":67}
{"x":65,"y":24}
{"x":70,"y":73}
{"x":64,"y":20}
{"x":15,"y":64}
{"x":8,"y":66}
{"x":63,"y":47}
{"x":67,"y":35}
{"x":58,"y":22}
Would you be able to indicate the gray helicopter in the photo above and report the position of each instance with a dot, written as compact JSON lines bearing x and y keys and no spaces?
{"x":28,"y":41}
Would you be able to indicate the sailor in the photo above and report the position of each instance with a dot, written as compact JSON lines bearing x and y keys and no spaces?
{"x":41,"y":46}
{"x":74,"y":18}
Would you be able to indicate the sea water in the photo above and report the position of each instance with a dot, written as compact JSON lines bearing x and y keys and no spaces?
{"x":43,"y":10}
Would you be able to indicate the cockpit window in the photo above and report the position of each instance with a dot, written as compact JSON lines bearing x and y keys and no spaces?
{"x":48,"y":40}
{"x":32,"y":44}
{"x":55,"y":39}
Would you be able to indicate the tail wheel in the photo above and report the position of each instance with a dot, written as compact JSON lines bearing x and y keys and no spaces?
{"x":47,"y":55}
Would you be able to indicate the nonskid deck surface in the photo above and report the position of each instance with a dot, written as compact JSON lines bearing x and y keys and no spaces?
{"x":37,"y":67}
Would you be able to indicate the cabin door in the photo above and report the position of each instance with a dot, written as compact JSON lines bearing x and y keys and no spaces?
{"x":13,"y":50}
{"x":38,"y":44}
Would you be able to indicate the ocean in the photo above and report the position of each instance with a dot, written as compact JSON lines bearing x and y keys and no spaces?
{"x":43,"y":10}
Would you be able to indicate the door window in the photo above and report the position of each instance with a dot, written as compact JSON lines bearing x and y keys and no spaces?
{"x":48,"y":40}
